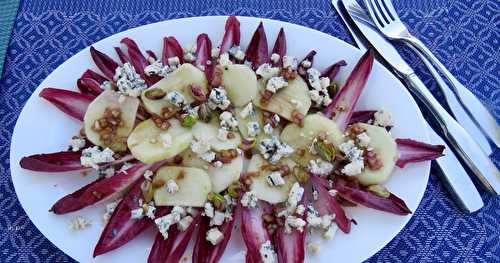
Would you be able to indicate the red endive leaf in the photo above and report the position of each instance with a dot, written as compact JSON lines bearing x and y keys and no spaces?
{"x":280,"y":48}
{"x":203,"y":51}
{"x":362,"y":116}
{"x":345,"y":100}
{"x":392,"y":204}
{"x":151,"y":54}
{"x":121,"y":228}
{"x":102,"y":189}
{"x":181,"y":241}
{"x":89,"y":86}
{"x":72,"y":103}
{"x":332,"y":71}
{"x":138,"y":60}
{"x":257,"y":51}
{"x":309,"y":57}
{"x":253,"y":231}
{"x":171,"y":48}
{"x":106,"y":64}
{"x":327,"y":204}
{"x":123,"y":58}
{"x":231,"y":35}
{"x":290,"y":246}
{"x":411,"y":151}
{"x":204,"y":251}
{"x":90,"y":74}
{"x":162,"y":247}
{"x":53,"y":162}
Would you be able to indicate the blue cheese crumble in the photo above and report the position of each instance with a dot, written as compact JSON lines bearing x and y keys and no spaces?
{"x":266,"y":71}
{"x":248,"y":110}
{"x":275,"y":179}
{"x":228,"y":121}
{"x":214,"y":236}
{"x":267,"y":253}
{"x":176,"y":98}
{"x":157,"y":68}
{"x":128,"y":81}
{"x":273,"y":149}
{"x":93,"y":156}
{"x":319,"y":92}
{"x":253,"y":129}
{"x":172,"y":186}
{"x":249,"y":199}
{"x":218,"y":99}
{"x":319,"y":167}
{"x":276,"y":83}
{"x":355,"y":156}
{"x":383,"y":118}
{"x":76,"y":144}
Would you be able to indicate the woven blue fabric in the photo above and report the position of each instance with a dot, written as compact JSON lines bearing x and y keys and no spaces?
{"x":464,"y":34}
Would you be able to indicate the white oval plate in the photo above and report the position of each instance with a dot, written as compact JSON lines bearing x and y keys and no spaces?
{"x":43,"y":128}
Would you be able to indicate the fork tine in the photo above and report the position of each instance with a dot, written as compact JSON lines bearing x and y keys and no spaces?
{"x":373,"y":13}
{"x":384,"y":11}
{"x":391,"y":10}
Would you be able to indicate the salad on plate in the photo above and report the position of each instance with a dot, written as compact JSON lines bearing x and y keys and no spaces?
{"x":192,"y":140}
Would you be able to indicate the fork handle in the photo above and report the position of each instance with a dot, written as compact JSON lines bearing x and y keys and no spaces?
{"x":476,"y":110}
{"x":465,"y":147}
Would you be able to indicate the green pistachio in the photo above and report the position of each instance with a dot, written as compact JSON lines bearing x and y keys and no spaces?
{"x":300,"y":174}
{"x":325,"y":150}
{"x":188,"y":120}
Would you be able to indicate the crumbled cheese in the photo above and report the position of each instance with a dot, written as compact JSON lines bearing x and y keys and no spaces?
{"x":266,"y":71}
{"x":383,"y":118}
{"x":315,"y":195}
{"x":326,"y":220}
{"x":300,"y":209}
{"x":93,"y":156}
{"x":272,"y":149}
{"x":363,"y":139}
{"x":173,"y":61}
{"x":249,"y":199}
{"x":79,"y":223}
{"x":209,"y":210}
{"x":176,"y":98}
{"x":289,"y":61}
{"x":172,"y":186}
{"x":294,"y":197}
{"x":306,"y":64}
{"x":313,"y":247}
{"x":125,"y":167}
{"x":276,"y":83}
{"x":215,"y":52}
{"x":276,"y":118}
{"x":191,"y":211}
{"x":253,"y":128}
{"x":313,"y":220}
{"x":128,"y":81}
{"x":208,"y":156}
{"x":275,"y":179}
{"x":275,"y":58}
{"x":150,"y":210}
{"x":217,"y":219}
{"x":353,"y":154}
{"x":106,"y":171}
{"x":166,"y":140}
{"x":319,"y":167}
{"x":353,"y":168}
{"x":296,"y":104}
{"x":184,"y":223}
{"x":294,"y":222}
{"x":325,"y":82}
{"x":189,"y":57}
{"x":267,"y":253}
{"x":333,"y":192}
{"x":237,"y":53}
{"x":157,"y":68}
{"x":228,"y":121}
{"x":214,"y":236}
{"x":217,"y":164}
{"x":218,"y":99}
{"x":248,"y":110}
{"x":222,"y":134}
{"x":224,"y":59}
{"x":319,"y":93}
{"x":110,"y":208}
{"x":76,"y":144}
{"x":107,"y":85}
{"x":202,"y":149}
{"x":268,"y":129}
{"x":137,"y":213}
{"x":163,"y":223}
{"x":148,"y":174}
{"x":330,"y":232}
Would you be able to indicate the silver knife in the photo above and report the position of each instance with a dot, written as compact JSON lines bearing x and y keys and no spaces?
{"x":465,"y":147}
{"x":456,"y":179}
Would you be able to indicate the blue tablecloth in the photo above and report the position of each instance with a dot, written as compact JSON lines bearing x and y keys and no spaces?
{"x":463,"y":34}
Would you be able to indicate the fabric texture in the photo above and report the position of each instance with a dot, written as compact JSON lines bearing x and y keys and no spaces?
{"x":8,"y":12}
{"x":464,"y":34}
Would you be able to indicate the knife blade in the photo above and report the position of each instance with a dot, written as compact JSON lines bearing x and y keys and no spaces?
{"x":450,"y":170}
{"x":463,"y":145}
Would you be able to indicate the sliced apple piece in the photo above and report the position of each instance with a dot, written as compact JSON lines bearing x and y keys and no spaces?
{"x":240,"y":82}
{"x":386,"y":149}
{"x":256,"y":117}
{"x":179,"y":80}
{"x":221,"y":177}
{"x":111,"y":100}
{"x":295,"y":97}
{"x":209,"y":131}
{"x":301,"y":138}
{"x":150,"y":144}
{"x":271,"y":194}
{"x":194,"y":185}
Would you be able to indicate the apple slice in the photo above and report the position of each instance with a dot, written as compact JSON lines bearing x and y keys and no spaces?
{"x":257,"y":117}
{"x":302,"y":137}
{"x":271,"y":194}
{"x":221,"y":177}
{"x":240,"y":82}
{"x":209,"y":131}
{"x":111,"y":100}
{"x":295,"y":97}
{"x":194,"y":186}
{"x":179,"y":80}
{"x":386,"y":149}
{"x":149,"y":144}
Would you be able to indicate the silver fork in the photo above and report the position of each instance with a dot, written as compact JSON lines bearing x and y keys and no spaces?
{"x":387,"y":20}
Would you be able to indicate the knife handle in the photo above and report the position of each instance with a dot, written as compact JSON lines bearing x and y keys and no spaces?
{"x":465,"y":147}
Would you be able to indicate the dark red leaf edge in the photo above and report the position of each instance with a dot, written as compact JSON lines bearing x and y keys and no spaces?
{"x":253,"y":231}
{"x":89,"y":86}
{"x":329,"y":205}
{"x":182,"y":241}
{"x":171,"y":48}
{"x":362,"y":116}
{"x":90,"y":74}
{"x":290,"y":247}
{"x":231,"y":36}
{"x":303,"y":71}
{"x":203,"y":51}
{"x":53,"y":162}
{"x":123,"y":58}
{"x":257,"y":51}
{"x":412,"y":151}
{"x":151,"y":54}
{"x":279,"y":48}
{"x":332,"y":70}
{"x":70,"y":102}
{"x":106,"y":64}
